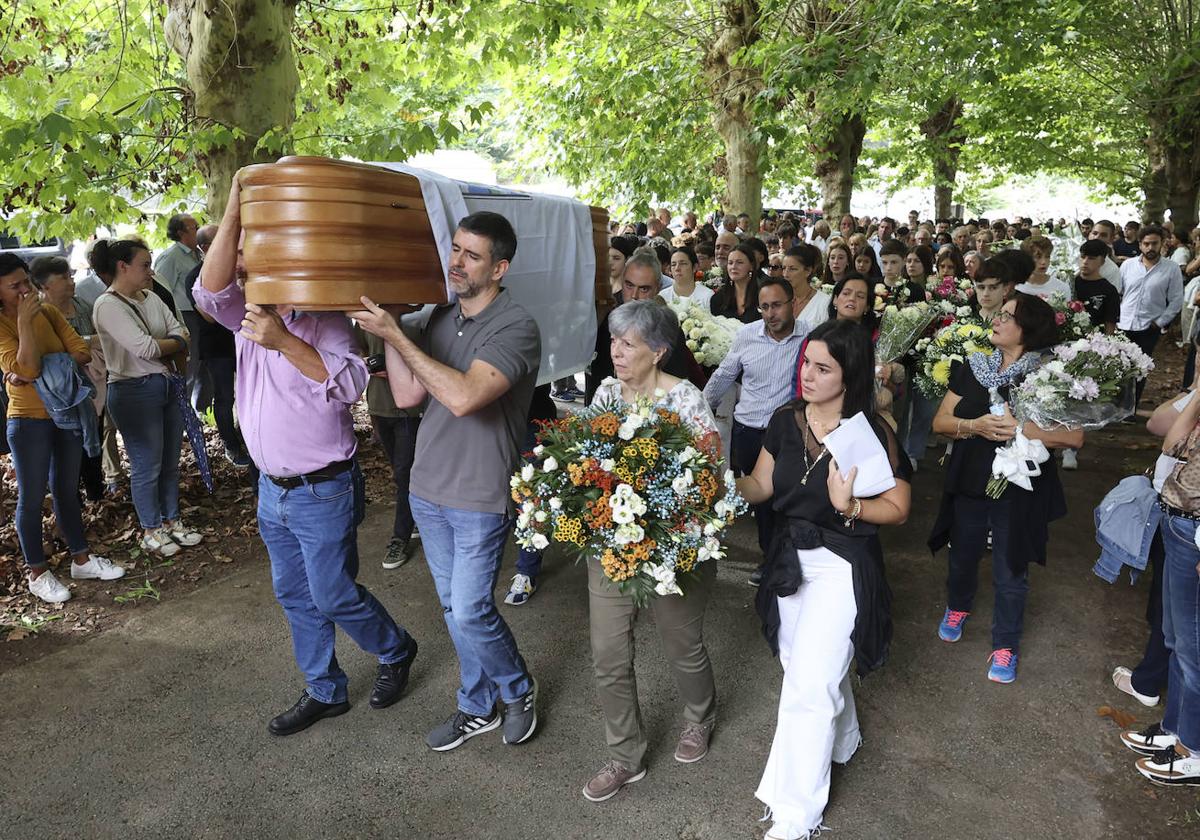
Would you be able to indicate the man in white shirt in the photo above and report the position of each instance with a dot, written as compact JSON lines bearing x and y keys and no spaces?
{"x":887,"y":226}
{"x":764,"y":355}
{"x":1153,"y":293}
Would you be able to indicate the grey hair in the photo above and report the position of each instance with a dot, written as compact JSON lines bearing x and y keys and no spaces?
{"x":651,"y":321}
{"x":646,"y":258}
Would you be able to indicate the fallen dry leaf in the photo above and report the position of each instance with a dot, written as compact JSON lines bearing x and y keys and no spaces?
{"x":1121,"y":718}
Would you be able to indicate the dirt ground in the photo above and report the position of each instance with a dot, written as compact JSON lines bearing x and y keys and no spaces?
{"x":149,"y":720}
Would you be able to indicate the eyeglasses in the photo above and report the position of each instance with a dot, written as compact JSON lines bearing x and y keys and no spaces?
{"x":1004,"y":316}
{"x":768,"y":307}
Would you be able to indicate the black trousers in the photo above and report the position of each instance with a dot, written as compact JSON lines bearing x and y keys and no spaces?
{"x":1150,"y":676}
{"x":973,"y":519}
{"x":745,"y":444}
{"x":398,"y":437}
{"x":1147,"y":340}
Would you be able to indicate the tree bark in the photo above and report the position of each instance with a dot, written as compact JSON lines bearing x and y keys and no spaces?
{"x":836,"y":157}
{"x":1154,"y":182}
{"x":945,"y":136}
{"x":735,"y":85}
{"x":243,"y":74}
{"x":1182,"y":155}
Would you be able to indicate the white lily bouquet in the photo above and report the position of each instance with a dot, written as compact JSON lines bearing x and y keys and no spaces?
{"x":900,"y":328}
{"x":1085,"y":384}
{"x":708,"y":336}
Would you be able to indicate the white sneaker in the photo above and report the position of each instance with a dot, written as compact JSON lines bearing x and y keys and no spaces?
{"x":1070,"y":460}
{"x":520,"y":591}
{"x":160,"y":543}
{"x":182,"y":534}
{"x":47,"y":587}
{"x":96,"y":568}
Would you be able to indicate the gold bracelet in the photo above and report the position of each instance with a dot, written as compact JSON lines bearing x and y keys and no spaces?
{"x":958,"y":429}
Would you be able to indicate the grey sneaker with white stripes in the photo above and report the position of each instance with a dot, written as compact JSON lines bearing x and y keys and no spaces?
{"x":460,"y":727}
{"x":520,"y":717}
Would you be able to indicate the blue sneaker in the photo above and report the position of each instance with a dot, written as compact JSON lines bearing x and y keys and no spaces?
{"x":1004,"y":666}
{"x":950,"y":630}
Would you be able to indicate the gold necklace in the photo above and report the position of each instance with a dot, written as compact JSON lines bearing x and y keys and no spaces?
{"x":813,"y":464}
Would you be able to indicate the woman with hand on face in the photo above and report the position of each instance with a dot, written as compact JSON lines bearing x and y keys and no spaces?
{"x":1019,"y":520}
{"x":31,"y":331}
{"x":800,"y":268}
{"x":140,"y":336}
{"x":738,"y":298}
{"x":685,"y":286}
{"x":824,"y":599}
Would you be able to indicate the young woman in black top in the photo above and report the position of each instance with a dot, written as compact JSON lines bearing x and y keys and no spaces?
{"x":738,"y":298}
{"x":824,"y":600}
{"x":1018,"y":521}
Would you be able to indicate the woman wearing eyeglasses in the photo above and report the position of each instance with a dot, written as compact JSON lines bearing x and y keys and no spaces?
{"x":1019,"y":520}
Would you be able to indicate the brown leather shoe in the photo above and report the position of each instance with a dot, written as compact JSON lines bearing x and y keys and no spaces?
{"x":611,"y":778}
{"x":693,"y":743}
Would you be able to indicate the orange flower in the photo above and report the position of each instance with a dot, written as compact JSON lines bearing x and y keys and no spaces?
{"x":605,"y":424}
{"x":669,"y":416}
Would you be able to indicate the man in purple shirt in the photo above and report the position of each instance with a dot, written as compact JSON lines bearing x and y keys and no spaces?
{"x":298,"y":375}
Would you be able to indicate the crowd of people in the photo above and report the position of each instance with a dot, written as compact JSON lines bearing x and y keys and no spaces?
{"x":139,"y":345}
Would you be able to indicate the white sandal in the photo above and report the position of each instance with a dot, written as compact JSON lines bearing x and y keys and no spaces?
{"x":181,"y":534}
{"x":159,"y":542}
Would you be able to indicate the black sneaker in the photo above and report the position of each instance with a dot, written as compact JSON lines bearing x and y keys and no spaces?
{"x":397,"y":553}
{"x":520,"y":718}
{"x":460,"y":727}
{"x":756,"y":576}
{"x":391,"y":679}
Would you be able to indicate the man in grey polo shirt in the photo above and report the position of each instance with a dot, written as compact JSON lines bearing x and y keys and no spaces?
{"x":477,"y":361}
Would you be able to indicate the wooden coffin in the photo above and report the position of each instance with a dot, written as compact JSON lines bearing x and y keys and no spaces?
{"x":321,"y":233}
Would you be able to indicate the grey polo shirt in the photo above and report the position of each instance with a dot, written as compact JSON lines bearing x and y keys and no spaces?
{"x":466,"y":462}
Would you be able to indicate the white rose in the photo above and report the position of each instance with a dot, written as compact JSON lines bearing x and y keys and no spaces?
{"x":623,"y":515}
{"x":555,"y":503}
{"x":623,"y":491}
{"x":628,"y":533}
{"x":541,"y":516}
{"x":710,"y":529}
{"x":680,"y":485}
{"x":527,"y":472}
{"x":550,"y":465}
{"x":626,"y":432}
{"x":523,"y":520}
{"x":538,"y":450}
{"x":539,"y":542}
{"x":686,"y":455}
{"x":608,"y":464}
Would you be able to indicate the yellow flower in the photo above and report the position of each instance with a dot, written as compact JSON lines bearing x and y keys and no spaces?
{"x":967,"y":331}
{"x":941,"y":372}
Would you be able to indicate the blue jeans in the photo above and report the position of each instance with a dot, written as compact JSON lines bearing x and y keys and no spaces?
{"x":311,"y":534}
{"x":973,"y":518}
{"x":43,"y":452}
{"x":464,"y":549}
{"x":1181,"y":627}
{"x":151,"y":425}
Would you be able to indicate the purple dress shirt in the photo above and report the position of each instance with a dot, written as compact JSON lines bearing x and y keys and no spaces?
{"x":291,"y":424}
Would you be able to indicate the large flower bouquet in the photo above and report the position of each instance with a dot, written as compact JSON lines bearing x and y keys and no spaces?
{"x":708,"y":336}
{"x":900,"y":328}
{"x":953,"y":342}
{"x":714,"y":279}
{"x":633,"y":486}
{"x":951,"y":296}
{"x":1084,"y":384}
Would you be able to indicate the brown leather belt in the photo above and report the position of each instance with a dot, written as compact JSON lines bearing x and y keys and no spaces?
{"x":327,"y":473}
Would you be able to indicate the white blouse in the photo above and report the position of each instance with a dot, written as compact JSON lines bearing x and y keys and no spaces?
{"x":685,"y":399}
{"x":700,"y":296}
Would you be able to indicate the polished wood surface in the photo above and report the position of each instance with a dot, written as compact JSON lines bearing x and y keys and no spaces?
{"x":322,"y":233}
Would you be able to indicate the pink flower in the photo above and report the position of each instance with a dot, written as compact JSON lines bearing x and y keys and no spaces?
{"x":1076,"y":305}
{"x":1060,"y":318}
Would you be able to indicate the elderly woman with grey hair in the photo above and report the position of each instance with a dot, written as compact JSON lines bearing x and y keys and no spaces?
{"x":643,"y":333}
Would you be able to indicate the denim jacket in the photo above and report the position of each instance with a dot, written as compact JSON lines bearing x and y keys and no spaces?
{"x":1126,"y":522}
{"x":67,"y":395}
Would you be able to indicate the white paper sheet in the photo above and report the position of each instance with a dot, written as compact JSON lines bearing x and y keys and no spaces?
{"x":855,"y":444}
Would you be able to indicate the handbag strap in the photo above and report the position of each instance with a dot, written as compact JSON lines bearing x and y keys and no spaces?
{"x":137,"y":312}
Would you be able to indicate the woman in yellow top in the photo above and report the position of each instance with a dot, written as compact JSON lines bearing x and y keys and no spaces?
{"x":41,"y":451}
